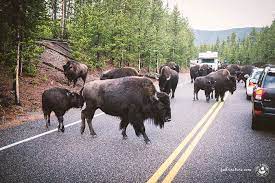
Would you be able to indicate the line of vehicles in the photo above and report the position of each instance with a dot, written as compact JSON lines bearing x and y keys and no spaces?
{"x":261,"y":87}
{"x":259,"y":83}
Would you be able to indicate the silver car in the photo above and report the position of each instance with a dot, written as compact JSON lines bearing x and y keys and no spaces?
{"x":252,"y":81}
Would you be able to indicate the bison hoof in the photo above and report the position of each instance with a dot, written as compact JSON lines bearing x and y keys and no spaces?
{"x":148,"y":142}
{"x":94,"y":135}
{"x":125,"y":137}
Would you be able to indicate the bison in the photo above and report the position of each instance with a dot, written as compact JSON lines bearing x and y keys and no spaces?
{"x":118,"y":73}
{"x":204,"y":70}
{"x":222,"y":66}
{"x":74,"y":70}
{"x":59,"y":100}
{"x":246,"y":69}
{"x":194,"y":72}
{"x":205,"y":83}
{"x":133,"y":99}
{"x":224,"y":82}
{"x":233,"y":69}
{"x":172,"y":65}
{"x":168,"y":80}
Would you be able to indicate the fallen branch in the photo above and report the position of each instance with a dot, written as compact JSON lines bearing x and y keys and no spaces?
{"x":63,"y":54}
{"x":51,"y":65}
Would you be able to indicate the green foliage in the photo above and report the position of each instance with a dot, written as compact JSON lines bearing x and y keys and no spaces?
{"x":125,"y":31}
{"x":29,"y":20}
{"x":256,"y":47}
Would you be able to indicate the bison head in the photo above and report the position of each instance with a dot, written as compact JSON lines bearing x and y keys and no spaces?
{"x":77,"y":100}
{"x":231,"y":86}
{"x":211,"y":84}
{"x":161,"y":111}
{"x":164,"y":83}
{"x":204,"y":70}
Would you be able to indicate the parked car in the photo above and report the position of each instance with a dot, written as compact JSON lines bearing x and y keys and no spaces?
{"x":263,"y":100}
{"x":252,"y":81}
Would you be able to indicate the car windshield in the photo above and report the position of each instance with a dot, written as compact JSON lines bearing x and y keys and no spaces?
{"x":207,"y":60}
{"x":256,"y":75}
{"x":269,"y":81}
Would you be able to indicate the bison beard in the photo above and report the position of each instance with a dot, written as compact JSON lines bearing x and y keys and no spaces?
{"x":132,"y":99}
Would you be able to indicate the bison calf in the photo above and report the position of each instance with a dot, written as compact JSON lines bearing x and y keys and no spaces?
{"x":59,"y":100}
{"x":203,"y":83}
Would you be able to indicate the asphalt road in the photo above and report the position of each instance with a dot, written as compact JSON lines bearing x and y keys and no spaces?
{"x":222,"y":149}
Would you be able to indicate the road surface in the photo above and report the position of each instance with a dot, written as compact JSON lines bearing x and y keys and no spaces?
{"x":204,"y":142}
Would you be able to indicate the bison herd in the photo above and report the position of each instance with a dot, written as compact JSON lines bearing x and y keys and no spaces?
{"x":220,"y":81}
{"x":123,"y":93}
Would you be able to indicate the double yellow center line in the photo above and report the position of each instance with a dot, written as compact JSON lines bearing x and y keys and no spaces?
{"x":205,"y":122}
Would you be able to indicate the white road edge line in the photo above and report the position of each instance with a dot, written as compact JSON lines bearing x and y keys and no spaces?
{"x":42,"y":134}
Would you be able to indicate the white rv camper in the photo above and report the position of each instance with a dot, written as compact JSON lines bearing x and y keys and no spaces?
{"x":209,"y":58}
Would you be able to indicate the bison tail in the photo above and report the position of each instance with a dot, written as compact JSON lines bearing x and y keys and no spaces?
{"x":45,"y":116}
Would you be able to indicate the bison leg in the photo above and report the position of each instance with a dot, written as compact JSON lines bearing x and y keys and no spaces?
{"x":196,"y":90}
{"x":60,"y":125}
{"x":83,"y":118}
{"x":47,"y":119}
{"x":222,"y":96}
{"x":196,"y":93}
{"x":207,"y":95}
{"x":89,"y":121}
{"x":83,"y":77}
{"x":123,"y":125}
{"x":146,"y":139}
{"x":217,"y":95}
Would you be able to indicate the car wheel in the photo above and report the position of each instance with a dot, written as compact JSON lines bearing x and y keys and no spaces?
{"x":255,"y":123}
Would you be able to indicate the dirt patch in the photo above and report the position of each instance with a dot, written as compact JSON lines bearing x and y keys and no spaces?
{"x":31,"y":89}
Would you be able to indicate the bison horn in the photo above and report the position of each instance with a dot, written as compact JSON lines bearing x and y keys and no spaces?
{"x":154,"y":98}
{"x":168,"y":78}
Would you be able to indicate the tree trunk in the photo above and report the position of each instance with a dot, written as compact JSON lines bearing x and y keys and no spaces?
{"x":139,"y":61}
{"x":63,"y":19}
{"x":17,"y":97}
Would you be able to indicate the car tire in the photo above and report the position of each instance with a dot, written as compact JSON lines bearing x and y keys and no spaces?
{"x":248,"y":97}
{"x":255,"y":123}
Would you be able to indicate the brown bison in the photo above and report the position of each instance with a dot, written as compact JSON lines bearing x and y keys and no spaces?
{"x":223,"y":82}
{"x":233,"y":69}
{"x":118,"y":73}
{"x":205,"y":83}
{"x":74,"y":70}
{"x":133,"y":99}
{"x":59,"y":100}
{"x":172,"y":65}
{"x":194,"y":72}
{"x":168,"y":80}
